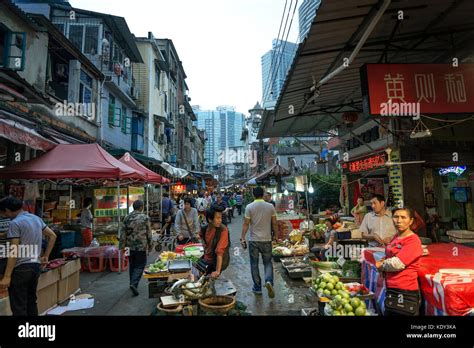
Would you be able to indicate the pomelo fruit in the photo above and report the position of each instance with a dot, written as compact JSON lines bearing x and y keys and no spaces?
{"x":348,"y":308}
{"x":330,"y":286}
{"x":355,"y":302}
{"x":360,"y":312}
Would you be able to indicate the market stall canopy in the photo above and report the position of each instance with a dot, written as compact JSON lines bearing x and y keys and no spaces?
{"x":305,"y":108}
{"x":150,"y":176}
{"x":276,"y":171}
{"x":76,"y":161}
{"x":173,"y":171}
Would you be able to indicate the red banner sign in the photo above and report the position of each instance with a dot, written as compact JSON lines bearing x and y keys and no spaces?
{"x":411,"y":89}
{"x":367,"y":163}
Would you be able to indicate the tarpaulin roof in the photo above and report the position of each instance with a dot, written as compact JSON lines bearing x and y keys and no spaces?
{"x":75,"y":161}
{"x":173,"y":171}
{"x":150,"y":176}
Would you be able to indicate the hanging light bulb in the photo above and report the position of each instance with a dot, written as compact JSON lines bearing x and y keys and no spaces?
{"x":311,"y":189}
{"x":285,"y":192}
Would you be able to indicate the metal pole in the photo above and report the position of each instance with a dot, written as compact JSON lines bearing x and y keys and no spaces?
{"x":161,"y":202}
{"x":70,"y":201}
{"x":118,"y":214}
{"x":42,"y":201}
{"x":146,"y":187}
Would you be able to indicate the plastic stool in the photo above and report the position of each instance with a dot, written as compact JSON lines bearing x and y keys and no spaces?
{"x":114,"y":264}
{"x":95,"y":264}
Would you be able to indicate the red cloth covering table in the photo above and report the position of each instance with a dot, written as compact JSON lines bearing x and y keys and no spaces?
{"x":444,"y":294}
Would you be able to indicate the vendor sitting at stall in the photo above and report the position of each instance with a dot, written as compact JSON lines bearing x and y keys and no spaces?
{"x":215,"y":237}
{"x":187,"y":223}
{"x":330,"y":237}
{"x":401,"y":267}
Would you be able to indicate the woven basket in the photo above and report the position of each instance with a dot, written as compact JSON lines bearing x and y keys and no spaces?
{"x":217,"y":304}
{"x":176,"y":310}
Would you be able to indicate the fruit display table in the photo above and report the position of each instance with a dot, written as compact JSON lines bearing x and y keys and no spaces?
{"x":446,"y":278}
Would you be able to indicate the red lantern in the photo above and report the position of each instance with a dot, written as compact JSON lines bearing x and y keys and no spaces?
{"x":350,"y":117}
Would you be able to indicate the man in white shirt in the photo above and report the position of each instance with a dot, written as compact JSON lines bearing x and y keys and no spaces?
{"x":260,"y":218}
{"x":377,"y":226}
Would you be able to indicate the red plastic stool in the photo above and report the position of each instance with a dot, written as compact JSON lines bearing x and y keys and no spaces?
{"x":114,"y":263}
{"x":95,"y":264}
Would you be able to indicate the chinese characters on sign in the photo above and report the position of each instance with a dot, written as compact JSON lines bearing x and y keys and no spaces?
{"x":434,"y":88}
{"x":365,"y":164}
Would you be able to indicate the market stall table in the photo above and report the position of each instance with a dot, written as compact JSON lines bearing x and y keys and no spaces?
{"x":444,"y":293}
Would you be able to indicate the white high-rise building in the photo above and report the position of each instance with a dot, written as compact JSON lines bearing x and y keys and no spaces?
{"x":306,"y":14}
{"x":223,"y":128}
{"x":275,"y":66}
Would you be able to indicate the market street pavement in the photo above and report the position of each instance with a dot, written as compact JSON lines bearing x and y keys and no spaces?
{"x":113,"y":296}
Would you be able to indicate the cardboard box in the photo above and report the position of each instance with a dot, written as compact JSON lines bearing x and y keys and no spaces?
{"x":69,"y":277}
{"x":47,"y":290}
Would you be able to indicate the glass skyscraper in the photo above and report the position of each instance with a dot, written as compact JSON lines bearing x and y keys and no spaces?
{"x":280,"y":57}
{"x":306,"y":14}
{"x":223,"y":128}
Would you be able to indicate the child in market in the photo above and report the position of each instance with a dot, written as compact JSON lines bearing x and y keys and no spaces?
{"x":330,"y":238}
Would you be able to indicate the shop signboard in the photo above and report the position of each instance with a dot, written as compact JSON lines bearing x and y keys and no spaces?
{"x":366,"y":163}
{"x":458,"y":170}
{"x":105,"y":192}
{"x":179,"y":188}
{"x":414,"y":89}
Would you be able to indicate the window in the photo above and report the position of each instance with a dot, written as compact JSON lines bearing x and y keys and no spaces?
{"x":138,"y":129}
{"x":157,"y":76}
{"x":85,"y":93}
{"x":111,"y":117}
{"x":156,"y":135}
{"x":76,"y":35}
{"x":60,"y":27}
{"x":91,"y":39}
{"x":12,"y":49}
{"x":84,"y":37}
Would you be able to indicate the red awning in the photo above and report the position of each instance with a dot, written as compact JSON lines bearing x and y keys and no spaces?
{"x":76,"y":161}
{"x":20,"y":134}
{"x":150,"y":176}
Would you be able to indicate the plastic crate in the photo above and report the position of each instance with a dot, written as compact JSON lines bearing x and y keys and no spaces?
{"x":95,"y":264}
{"x":114,"y":264}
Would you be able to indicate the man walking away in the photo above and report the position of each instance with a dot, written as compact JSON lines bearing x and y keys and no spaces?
{"x":260,"y":216}
{"x":239,"y":200}
{"x":21,"y":276}
{"x":136,"y":240}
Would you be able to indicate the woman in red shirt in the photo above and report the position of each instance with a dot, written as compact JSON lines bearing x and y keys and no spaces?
{"x":216,"y":251}
{"x":401,"y":267}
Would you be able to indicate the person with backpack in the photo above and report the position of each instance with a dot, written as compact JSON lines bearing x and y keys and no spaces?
{"x":216,"y":242}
